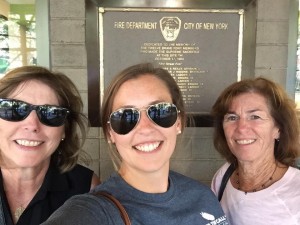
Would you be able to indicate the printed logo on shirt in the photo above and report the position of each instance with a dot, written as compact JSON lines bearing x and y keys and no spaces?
{"x":214,"y":221}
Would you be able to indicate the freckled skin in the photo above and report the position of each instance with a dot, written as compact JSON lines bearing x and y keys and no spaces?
{"x":252,"y":125}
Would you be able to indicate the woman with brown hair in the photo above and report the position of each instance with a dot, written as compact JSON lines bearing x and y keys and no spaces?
{"x":257,"y":131}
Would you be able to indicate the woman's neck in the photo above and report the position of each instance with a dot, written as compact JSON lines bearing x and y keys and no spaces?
{"x":149,"y":182}
{"x":20,"y":186}
{"x":252,"y":178}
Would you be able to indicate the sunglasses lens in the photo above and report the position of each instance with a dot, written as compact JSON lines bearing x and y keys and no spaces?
{"x":11,"y":110}
{"x":124,"y":120}
{"x":14,"y":110}
{"x":52,"y":116}
{"x":163,"y":114}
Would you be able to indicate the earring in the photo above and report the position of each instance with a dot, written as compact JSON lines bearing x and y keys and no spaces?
{"x":179,"y":132}
{"x":62,"y":139}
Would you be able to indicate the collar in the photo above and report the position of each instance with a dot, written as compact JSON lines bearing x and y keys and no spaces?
{"x":54,"y":180}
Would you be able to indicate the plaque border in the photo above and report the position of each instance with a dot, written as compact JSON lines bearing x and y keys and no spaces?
{"x":194,"y":119}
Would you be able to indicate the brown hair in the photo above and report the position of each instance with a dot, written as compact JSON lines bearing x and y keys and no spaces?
{"x":130,"y":73}
{"x":67,"y":153}
{"x":282,"y":109}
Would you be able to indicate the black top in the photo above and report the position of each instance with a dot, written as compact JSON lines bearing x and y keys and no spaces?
{"x":55,"y":190}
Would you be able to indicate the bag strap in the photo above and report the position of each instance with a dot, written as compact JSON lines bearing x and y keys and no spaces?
{"x":115,"y":201}
{"x":225,"y":179}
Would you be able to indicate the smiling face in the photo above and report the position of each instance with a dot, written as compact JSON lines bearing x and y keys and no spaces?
{"x":29,"y":143}
{"x":148,"y":147}
{"x":249,"y":128}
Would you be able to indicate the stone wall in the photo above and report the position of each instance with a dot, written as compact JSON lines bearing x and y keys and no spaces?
{"x":272,"y":37}
{"x":68,"y":55}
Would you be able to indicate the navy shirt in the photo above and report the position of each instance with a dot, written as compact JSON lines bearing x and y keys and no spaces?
{"x":55,"y":190}
{"x":186,"y":202}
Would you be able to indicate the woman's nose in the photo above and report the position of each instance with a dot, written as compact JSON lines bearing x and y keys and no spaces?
{"x":32,"y":122}
{"x":144,"y":120}
{"x":242,"y":123}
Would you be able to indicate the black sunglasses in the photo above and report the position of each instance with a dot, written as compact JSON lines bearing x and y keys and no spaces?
{"x":124,"y":120}
{"x":15,"y":110}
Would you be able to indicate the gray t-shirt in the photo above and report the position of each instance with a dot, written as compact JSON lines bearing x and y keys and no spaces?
{"x":186,"y":202}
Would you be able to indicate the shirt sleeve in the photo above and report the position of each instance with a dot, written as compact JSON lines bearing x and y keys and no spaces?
{"x":217,"y":178}
{"x":85,"y":210}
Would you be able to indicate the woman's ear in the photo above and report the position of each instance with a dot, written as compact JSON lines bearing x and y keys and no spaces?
{"x":277,"y":135}
{"x":110,"y":137}
{"x":178,"y":125}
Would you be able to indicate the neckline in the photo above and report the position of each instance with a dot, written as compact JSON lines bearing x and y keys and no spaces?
{"x":132,"y":192}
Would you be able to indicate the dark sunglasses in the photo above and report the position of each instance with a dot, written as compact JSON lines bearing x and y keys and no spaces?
{"x":15,"y":110}
{"x":124,"y":120}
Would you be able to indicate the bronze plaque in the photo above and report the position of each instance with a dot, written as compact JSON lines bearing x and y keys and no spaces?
{"x":200,"y":48}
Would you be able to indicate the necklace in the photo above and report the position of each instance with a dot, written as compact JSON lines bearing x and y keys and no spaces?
{"x":19,"y":212}
{"x":263,"y":186}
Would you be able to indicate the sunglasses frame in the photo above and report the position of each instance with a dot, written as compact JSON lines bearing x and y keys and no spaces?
{"x":37,"y":109}
{"x":139,"y":110}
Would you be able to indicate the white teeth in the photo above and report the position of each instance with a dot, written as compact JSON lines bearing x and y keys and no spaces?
{"x":147,"y":147}
{"x":245,"y":142}
{"x":28,"y":143}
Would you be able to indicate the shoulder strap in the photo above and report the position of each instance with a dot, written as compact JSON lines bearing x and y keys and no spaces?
{"x":115,"y":201}
{"x":225,"y":179}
